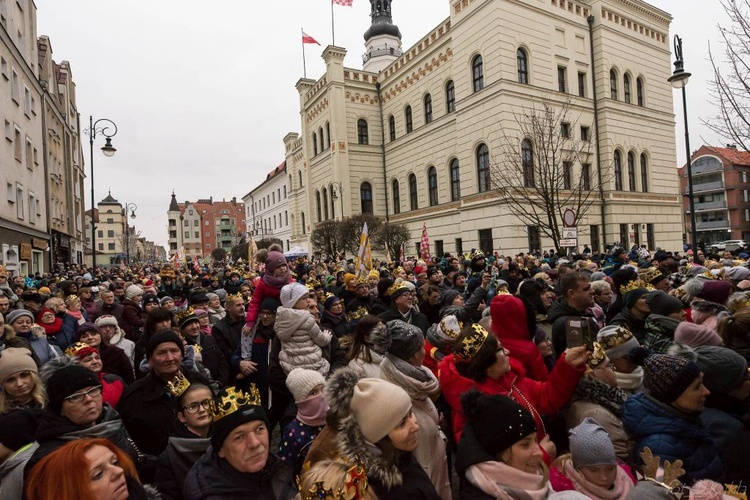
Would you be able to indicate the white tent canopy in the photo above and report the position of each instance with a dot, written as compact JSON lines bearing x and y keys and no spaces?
{"x":295,"y":252}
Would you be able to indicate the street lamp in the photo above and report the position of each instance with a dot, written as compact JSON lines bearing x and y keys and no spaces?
{"x":129,"y":207}
{"x":336,"y":193}
{"x":108,"y":151}
{"x":679,"y":80}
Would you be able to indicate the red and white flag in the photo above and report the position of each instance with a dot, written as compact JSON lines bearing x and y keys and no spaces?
{"x":345,"y":3}
{"x":308,"y":39}
{"x":424,"y":245}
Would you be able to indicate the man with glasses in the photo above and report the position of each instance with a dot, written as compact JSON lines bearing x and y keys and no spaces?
{"x":75,"y":410}
{"x":402,"y":300}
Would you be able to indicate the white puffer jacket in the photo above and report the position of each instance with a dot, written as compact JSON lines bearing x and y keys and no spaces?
{"x":301,"y":341}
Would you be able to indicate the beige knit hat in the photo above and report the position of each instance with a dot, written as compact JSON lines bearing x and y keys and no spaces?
{"x":378,"y":407}
{"x":300,"y":382}
{"x":14,"y":360}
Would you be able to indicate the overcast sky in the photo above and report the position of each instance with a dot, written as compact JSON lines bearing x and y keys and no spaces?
{"x":203,"y":91}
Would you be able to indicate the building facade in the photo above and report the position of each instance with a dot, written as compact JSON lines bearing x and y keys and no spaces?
{"x":414,"y":142}
{"x":197,"y":228}
{"x":267,"y":208}
{"x":721,"y":194}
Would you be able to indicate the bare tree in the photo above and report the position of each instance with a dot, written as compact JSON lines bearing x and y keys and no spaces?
{"x":730,"y":89}
{"x":350,"y":231}
{"x":325,"y":238}
{"x":543,"y":170}
{"x":392,"y":236}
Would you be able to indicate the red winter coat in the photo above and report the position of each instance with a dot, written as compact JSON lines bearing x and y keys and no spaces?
{"x":262,"y":291}
{"x":509,"y":326}
{"x":112,"y":388}
{"x":545,"y":398}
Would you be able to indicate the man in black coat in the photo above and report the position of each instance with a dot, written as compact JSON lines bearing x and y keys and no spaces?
{"x":211,"y":356}
{"x":577,"y":296}
{"x":228,"y":332}
{"x":148,"y":407}
{"x":402,"y":300}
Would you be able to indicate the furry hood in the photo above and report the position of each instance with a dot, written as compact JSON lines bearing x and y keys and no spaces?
{"x":54,"y":364}
{"x":349,"y":439}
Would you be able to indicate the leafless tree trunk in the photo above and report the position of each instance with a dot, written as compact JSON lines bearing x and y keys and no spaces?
{"x":545,"y":169}
{"x":730,"y":89}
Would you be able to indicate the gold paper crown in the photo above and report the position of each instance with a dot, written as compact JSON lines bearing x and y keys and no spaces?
{"x":355,"y":486}
{"x":362,"y":280}
{"x":398,"y":270}
{"x":73,"y":349}
{"x":233,"y":399}
{"x":234,"y":296}
{"x":597,"y":357}
{"x":622,"y":335}
{"x":179,"y":385}
{"x":312,"y":283}
{"x":394,"y":287}
{"x":358,"y":313}
{"x":451,"y":333}
{"x":184,"y":314}
{"x":470,"y":345}
{"x":71,"y":298}
{"x":650,"y":275}
{"x":739,"y":303}
{"x":634,"y":285}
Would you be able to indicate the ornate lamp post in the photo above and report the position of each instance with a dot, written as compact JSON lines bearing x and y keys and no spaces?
{"x":108,"y":151}
{"x":129,"y":207}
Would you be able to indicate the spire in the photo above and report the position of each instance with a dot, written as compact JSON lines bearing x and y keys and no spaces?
{"x":173,"y":206}
{"x":382,"y":39}
{"x":382,"y":20}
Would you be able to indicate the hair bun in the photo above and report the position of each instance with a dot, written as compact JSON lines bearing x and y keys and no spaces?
{"x":638,"y":355}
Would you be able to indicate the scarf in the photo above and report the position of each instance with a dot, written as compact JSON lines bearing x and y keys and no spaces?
{"x":52,"y":328}
{"x":78,"y":315}
{"x":276,"y":281}
{"x":630,"y":381}
{"x":618,"y":491}
{"x":596,"y":391}
{"x":502,"y":481}
{"x":418,"y":382}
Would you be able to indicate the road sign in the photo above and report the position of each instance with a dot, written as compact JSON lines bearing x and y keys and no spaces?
{"x":568,"y":242}
{"x":569,"y":217}
{"x":570,"y":233}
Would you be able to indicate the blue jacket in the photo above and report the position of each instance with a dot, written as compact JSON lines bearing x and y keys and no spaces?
{"x":672,"y":434}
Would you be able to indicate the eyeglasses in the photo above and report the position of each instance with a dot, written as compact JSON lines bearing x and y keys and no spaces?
{"x":194,"y":407}
{"x":79,"y":397}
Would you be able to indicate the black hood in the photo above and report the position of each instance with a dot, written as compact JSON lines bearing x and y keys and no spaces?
{"x":52,"y":425}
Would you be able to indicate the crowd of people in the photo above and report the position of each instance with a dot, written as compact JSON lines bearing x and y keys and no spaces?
{"x":601,"y":376}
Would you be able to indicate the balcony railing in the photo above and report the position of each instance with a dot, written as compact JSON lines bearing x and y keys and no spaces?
{"x":710,"y":205}
{"x":706,"y":186}
{"x":704,"y":169}
{"x":388,"y":51}
{"x":713,"y":224}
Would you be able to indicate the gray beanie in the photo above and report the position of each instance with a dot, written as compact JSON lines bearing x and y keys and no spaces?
{"x":598,"y":275}
{"x":723,"y":369}
{"x":133,"y":291}
{"x":406,"y":339}
{"x":660,"y":302}
{"x":212,"y":296}
{"x":590,"y":445}
{"x":18,"y":313}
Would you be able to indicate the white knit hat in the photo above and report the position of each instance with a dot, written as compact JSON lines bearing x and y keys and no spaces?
{"x":133,"y":291}
{"x":300,"y":382}
{"x":291,"y":293}
{"x":378,"y":407}
{"x":106,"y":320}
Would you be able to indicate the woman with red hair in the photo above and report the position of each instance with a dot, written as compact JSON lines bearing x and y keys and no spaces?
{"x":86,"y":469}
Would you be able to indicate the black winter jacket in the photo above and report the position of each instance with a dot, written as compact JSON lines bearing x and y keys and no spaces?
{"x":557,"y":315}
{"x":174,"y":464}
{"x":213,"y":359}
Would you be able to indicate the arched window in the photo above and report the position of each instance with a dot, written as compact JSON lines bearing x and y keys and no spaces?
{"x":325,"y":203}
{"x":644,"y":173}
{"x":432,"y":186}
{"x":450,"y":96}
{"x":328,"y":134}
{"x":396,"y":197}
{"x":483,"y":168}
{"x":413,"y":197}
{"x":618,"y":171}
{"x":322,"y":139}
{"x":392,"y":127}
{"x":631,"y":171}
{"x":527,"y":162}
{"x":302,"y":218}
{"x":522,"y":61}
{"x":626,"y":87}
{"x":408,"y":119}
{"x":362,"y":136}
{"x":477,"y":73}
{"x":427,"y":108}
{"x":639,"y":91}
{"x":455,"y":175}
{"x":315,"y":143}
{"x":317,"y":205}
{"x":612,"y":84}
{"x":365,"y":197}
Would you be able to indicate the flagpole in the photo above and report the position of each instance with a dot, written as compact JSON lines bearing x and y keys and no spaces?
{"x":304,"y":63}
{"x":333,"y":31}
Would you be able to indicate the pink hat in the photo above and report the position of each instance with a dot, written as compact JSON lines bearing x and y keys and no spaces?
{"x":693,"y":335}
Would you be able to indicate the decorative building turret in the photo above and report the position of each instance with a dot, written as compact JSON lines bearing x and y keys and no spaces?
{"x":382,"y":39}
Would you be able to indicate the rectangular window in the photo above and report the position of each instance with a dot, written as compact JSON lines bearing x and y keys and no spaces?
{"x":110,"y":220}
{"x":585,"y":133}
{"x":110,"y":246}
{"x":650,"y":236}
{"x":19,"y":202}
{"x":208,"y":222}
{"x":594,"y":237}
{"x":535,"y":243}
{"x":8,"y":131}
{"x":485,"y":240}
{"x":10,"y":192}
{"x":197,"y":234}
{"x":196,"y":222}
{"x":567,"y":175}
{"x":18,"y":147}
{"x":110,"y":233}
{"x":100,"y":233}
{"x":29,"y":154}
{"x":32,"y":208}
{"x":187,"y":223}
{"x":565,"y":129}
{"x":624,"y":238}
{"x":439,"y":248}
{"x":581,"y":84}
{"x":208,"y":246}
{"x":586,"y":177}
{"x":26,"y":102}
{"x":637,"y":234}
{"x":208,"y":234}
{"x":561,"y":86}
{"x":459,"y":246}
{"x":15,"y":91}
{"x":101,"y":246}
{"x":4,"y":67}
{"x":187,"y":234}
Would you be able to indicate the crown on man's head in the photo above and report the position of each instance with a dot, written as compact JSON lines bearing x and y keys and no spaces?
{"x":394,"y":287}
{"x":650,"y":274}
{"x":233,"y":399}
{"x":184,"y":314}
{"x":635,"y":285}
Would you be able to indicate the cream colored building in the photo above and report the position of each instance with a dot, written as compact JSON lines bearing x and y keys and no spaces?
{"x":410,"y":139}
{"x":267,"y":208}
